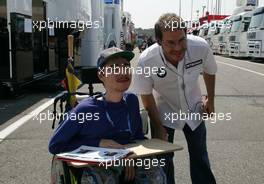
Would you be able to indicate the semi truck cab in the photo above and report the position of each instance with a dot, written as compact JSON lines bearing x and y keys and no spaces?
{"x":255,"y":34}
{"x":223,"y":36}
{"x":203,"y":31}
{"x":238,"y":35}
{"x":213,"y":33}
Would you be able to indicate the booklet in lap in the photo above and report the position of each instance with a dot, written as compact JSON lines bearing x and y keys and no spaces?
{"x":89,"y":154}
{"x":143,"y":148}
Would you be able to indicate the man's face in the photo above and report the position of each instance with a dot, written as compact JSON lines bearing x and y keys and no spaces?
{"x":174,"y":44}
{"x":116,"y":75}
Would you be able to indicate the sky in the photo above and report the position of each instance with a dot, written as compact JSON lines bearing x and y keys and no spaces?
{"x":146,"y":12}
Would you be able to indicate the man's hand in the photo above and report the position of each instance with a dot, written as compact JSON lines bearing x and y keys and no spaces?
{"x":108,"y":143}
{"x":208,"y":106}
{"x":160,"y":133}
{"x":210,"y":87}
{"x":157,"y":129}
{"x":129,"y":173}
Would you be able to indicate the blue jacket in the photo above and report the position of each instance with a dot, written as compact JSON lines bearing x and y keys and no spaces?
{"x":93,"y":120}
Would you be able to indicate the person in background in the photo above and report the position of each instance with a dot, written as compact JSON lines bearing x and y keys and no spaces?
{"x":139,"y":44}
{"x":150,"y":41}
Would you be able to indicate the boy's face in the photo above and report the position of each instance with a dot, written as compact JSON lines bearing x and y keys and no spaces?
{"x":116,"y":75}
{"x":174,"y":44}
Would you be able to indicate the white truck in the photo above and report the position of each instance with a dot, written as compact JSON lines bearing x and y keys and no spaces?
{"x":203,"y":31}
{"x":108,"y":34}
{"x":223,"y":36}
{"x":212,"y":37}
{"x":93,"y":39}
{"x":66,"y":17}
{"x":112,"y":23}
{"x":105,"y":16}
{"x":255,"y":34}
{"x":127,"y":31}
{"x":238,"y":35}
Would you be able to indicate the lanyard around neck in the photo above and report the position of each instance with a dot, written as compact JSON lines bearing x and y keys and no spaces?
{"x":110,"y":119}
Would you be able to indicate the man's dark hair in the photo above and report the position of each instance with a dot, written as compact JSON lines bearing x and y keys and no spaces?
{"x":168,"y":22}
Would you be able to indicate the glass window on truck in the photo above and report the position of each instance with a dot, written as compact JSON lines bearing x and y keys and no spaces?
{"x":256,"y":20}
{"x":236,"y":25}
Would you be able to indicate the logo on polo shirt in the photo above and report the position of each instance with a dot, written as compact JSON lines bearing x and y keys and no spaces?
{"x":193,"y":64}
{"x":161,"y":72}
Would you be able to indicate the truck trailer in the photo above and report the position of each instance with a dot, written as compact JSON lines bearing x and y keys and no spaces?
{"x":128,"y":32}
{"x":112,"y":23}
{"x":24,"y":48}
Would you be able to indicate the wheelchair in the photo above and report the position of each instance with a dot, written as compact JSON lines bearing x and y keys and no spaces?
{"x":61,"y":172}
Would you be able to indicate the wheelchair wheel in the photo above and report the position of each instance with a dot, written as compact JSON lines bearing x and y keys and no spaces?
{"x":60,"y":172}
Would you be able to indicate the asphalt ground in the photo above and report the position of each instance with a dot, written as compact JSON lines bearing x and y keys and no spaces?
{"x":236,"y":147}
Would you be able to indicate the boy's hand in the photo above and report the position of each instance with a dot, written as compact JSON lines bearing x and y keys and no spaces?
{"x":161,"y":133}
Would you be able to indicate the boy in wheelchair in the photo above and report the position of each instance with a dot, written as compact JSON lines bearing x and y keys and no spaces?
{"x":114,"y":121}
